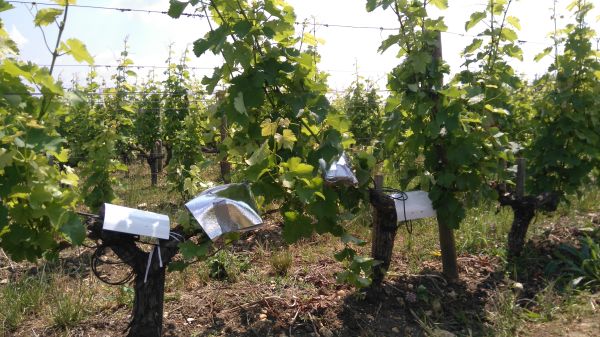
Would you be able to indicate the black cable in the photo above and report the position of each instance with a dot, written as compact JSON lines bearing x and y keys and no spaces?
{"x":97,"y":260}
{"x":401,"y":196}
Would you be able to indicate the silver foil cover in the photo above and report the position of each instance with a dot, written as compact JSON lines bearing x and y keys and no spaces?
{"x":339,"y":172}
{"x":225,"y":208}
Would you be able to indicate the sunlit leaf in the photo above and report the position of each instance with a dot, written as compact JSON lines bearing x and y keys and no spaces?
{"x":77,"y":50}
{"x":46,"y":16}
{"x":474,"y":20}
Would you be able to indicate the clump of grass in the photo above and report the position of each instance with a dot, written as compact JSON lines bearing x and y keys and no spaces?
{"x":228,"y":266}
{"x":504,"y":314}
{"x":19,"y":300}
{"x":68,"y":309}
{"x":124,"y":296}
{"x":281,"y":262}
{"x":546,"y":304}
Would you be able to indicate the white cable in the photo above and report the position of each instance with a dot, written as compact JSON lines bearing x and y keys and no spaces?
{"x":148,"y":265}
{"x":159,"y":257}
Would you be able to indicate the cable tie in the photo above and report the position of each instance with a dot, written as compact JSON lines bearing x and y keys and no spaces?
{"x":160,"y":263}
{"x":148,"y":265}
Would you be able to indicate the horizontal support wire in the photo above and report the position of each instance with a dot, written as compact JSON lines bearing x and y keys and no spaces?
{"x":320,"y":24}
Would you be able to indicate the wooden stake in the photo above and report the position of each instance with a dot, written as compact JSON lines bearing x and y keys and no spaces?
{"x":446,"y":234}
{"x":520,"y":193}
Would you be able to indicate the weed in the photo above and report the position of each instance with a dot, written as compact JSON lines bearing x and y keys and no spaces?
{"x":20,"y":299}
{"x":504,"y":314}
{"x":281,"y":262}
{"x":125,"y":296}
{"x":226,"y":265}
{"x":545,"y":305}
{"x":68,"y":309}
{"x":579,"y":265}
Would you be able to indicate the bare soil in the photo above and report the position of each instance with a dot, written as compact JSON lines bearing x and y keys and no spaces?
{"x":308,"y":301}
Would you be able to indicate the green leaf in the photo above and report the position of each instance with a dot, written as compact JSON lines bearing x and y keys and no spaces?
{"x":238,"y":103}
{"x":441,"y":4}
{"x":190,"y":250}
{"x":176,"y":8}
{"x":296,"y":166}
{"x":201,"y":46}
{"x":371,"y":5}
{"x":46,"y":16}
{"x":296,"y":226}
{"x":347,"y":238}
{"x":509,"y":34}
{"x":268,"y":128}
{"x":73,"y":228}
{"x":77,"y":50}
{"x":177,"y":266}
{"x":6,"y":158}
{"x":453,"y":92}
{"x":389,"y":41}
{"x":474,"y":20}
{"x":241,"y":28}
{"x":473,"y":46}
{"x":4,"y":6}
{"x":345,"y":254}
{"x":62,"y":157}
{"x":543,"y":54}
{"x":65,"y":2}
{"x":514,"y":21}
{"x":3,"y":217}
{"x":287,"y":139}
{"x":259,"y":154}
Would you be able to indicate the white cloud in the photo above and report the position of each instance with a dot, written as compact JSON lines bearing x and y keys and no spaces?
{"x":16,"y":36}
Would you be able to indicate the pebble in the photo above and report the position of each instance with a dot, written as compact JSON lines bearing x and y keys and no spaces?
{"x":395,"y":330}
{"x":262,"y":317}
{"x":190,"y":320}
{"x":517,"y":286}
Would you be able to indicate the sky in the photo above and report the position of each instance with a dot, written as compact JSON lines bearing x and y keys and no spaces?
{"x":346,"y":52}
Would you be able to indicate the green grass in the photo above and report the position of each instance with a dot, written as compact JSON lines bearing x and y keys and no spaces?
{"x":69,"y":308}
{"x":21,"y":299}
{"x":281,"y":262}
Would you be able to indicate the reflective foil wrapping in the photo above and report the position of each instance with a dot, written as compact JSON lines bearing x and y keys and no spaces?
{"x":225,"y":208}
{"x":339,"y":172}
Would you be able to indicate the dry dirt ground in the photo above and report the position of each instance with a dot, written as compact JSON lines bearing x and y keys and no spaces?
{"x":254,"y":301}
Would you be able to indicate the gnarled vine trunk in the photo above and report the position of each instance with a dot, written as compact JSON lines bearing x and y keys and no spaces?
{"x":147,"y":315}
{"x":384,"y":232}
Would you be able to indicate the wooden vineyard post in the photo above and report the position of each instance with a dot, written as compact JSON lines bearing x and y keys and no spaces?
{"x":446,"y":234}
{"x":155,"y":157}
{"x":225,"y":164}
{"x":384,"y":231}
{"x":159,"y":152}
{"x":520,"y":178}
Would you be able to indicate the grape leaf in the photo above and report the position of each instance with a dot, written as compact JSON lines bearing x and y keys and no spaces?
{"x":46,"y":16}
{"x":77,"y":50}
{"x":176,"y":8}
{"x":73,"y":228}
{"x":474,"y":20}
